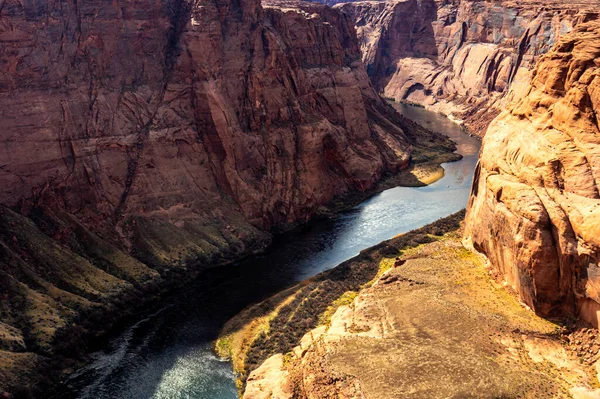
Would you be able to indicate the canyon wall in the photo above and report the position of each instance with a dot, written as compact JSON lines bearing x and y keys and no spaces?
{"x":535,"y":206}
{"x":138,"y":108}
{"x":460,"y":57}
{"x":143,"y":140}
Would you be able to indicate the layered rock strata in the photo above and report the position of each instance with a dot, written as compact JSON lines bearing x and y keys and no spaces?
{"x":460,"y":57}
{"x":141,"y":141}
{"x":535,"y":205}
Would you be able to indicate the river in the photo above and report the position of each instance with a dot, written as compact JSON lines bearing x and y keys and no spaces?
{"x":167,"y":352}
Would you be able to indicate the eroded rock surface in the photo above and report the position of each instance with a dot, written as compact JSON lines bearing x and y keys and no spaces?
{"x":144,"y":139}
{"x":432,"y":327}
{"x":460,"y":57}
{"x":155,"y":105}
{"x":535,"y":206}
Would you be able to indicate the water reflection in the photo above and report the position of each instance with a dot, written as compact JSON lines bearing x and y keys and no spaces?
{"x":167,"y":354}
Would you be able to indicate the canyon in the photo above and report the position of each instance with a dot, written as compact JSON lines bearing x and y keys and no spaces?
{"x":533,"y":218}
{"x":473,"y":60}
{"x":466,"y":59}
{"x":455,"y":313}
{"x":145,"y":141}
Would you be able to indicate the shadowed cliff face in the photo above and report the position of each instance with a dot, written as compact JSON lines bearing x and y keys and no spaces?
{"x":535,"y":207}
{"x":460,"y":57}
{"x":139,"y":108}
{"x":144,"y":139}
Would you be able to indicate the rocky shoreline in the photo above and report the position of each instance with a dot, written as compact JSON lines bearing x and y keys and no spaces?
{"x":277,"y":324}
{"x":416,"y":316}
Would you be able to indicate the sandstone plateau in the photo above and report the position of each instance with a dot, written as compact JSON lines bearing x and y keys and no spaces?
{"x":144,"y":140}
{"x":464,"y":58}
{"x":534,"y":211}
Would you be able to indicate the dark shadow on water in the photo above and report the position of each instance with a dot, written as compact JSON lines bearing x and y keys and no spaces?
{"x":136,"y":362}
{"x":167,"y":353}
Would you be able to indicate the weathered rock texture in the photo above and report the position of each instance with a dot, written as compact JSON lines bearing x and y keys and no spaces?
{"x":460,"y":57}
{"x":432,"y":327}
{"x":142,"y":139}
{"x":535,"y":206}
{"x":139,"y":108}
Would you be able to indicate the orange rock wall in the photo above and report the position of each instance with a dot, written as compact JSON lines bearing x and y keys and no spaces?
{"x":535,"y":206}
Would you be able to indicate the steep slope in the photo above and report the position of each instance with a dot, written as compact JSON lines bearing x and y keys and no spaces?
{"x":535,"y":206}
{"x":460,"y":57}
{"x":144,"y":107}
{"x":144,"y":140}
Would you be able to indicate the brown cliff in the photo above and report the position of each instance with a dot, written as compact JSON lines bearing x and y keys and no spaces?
{"x":142,"y":108}
{"x":460,"y":57}
{"x":535,"y":206}
{"x":142,"y":141}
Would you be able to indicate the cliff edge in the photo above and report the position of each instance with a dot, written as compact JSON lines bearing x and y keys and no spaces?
{"x":535,"y":205}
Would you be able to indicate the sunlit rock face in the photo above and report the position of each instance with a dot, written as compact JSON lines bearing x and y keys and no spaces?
{"x":535,"y":205}
{"x":460,"y":57}
{"x":141,"y":139}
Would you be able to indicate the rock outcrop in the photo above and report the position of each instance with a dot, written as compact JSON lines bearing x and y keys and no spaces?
{"x":143,"y":140}
{"x":535,"y":205}
{"x":432,"y":326}
{"x":460,"y":57}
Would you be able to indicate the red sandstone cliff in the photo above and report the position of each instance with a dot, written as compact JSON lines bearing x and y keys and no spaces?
{"x":460,"y":57}
{"x":535,"y":206}
{"x":142,"y":139}
{"x":138,"y":108}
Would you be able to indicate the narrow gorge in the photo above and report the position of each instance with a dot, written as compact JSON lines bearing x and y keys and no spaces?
{"x":439,"y":320}
{"x":264,"y":179}
{"x":143,"y":142}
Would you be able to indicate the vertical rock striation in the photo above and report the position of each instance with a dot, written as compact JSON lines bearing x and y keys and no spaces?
{"x":535,"y":206}
{"x":138,"y":108}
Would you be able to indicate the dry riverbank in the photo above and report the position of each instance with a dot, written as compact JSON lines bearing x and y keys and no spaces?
{"x":277,"y":324}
